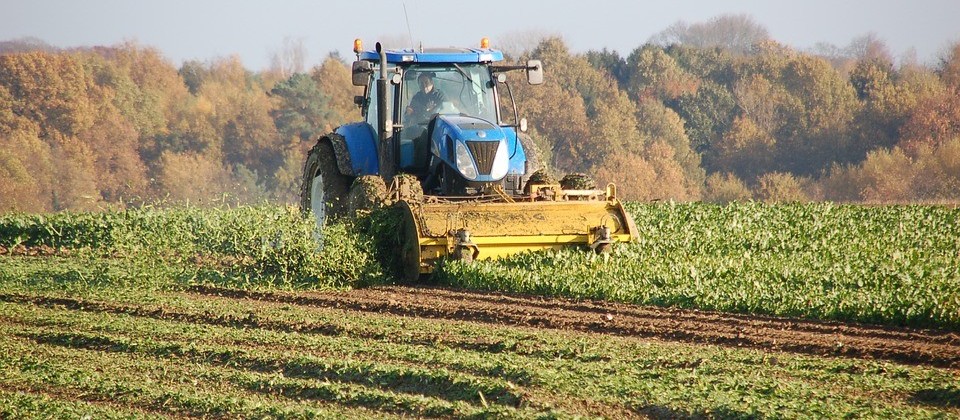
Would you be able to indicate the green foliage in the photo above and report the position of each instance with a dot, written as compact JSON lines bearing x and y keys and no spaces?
{"x":706,"y":114}
{"x":891,"y":265}
{"x":303,"y":108}
{"x":611,"y":62}
{"x":247,"y":245}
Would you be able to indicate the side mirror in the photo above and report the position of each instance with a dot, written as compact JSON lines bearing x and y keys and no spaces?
{"x":534,"y":72}
{"x":361,"y":72}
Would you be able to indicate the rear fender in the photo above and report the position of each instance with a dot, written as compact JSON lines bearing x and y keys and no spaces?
{"x":356,"y":149}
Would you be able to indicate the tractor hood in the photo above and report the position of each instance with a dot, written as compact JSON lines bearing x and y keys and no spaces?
{"x":477,"y":148}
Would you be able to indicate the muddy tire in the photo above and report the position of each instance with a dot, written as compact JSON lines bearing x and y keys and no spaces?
{"x":324,"y":188}
{"x":578,"y":181}
{"x":539,"y":177}
{"x":408,"y":188}
{"x":368,"y":192}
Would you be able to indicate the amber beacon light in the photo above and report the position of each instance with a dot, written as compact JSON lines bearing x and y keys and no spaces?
{"x":357,"y":45}
{"x":484,"y":43}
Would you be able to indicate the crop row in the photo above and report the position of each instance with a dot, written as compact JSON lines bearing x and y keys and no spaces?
{"x":127,"y":351}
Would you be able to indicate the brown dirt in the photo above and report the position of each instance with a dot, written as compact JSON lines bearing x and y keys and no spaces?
{"x":904,"y":345}
{"x":33,"y":251}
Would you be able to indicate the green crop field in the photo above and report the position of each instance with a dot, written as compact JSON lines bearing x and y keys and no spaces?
{"x":109,"y":315}
{"x":127,"y":351}
{"x":897,"y":265}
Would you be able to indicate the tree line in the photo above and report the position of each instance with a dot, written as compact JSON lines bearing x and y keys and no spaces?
{"x":89,"y":128}
{"x":678,"y":118}
{"x":766,"y":122}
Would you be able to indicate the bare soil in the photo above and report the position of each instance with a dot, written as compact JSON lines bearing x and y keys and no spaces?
{"x":820,"y":338}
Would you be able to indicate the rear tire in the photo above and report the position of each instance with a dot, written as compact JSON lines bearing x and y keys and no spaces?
{"x":324,"y":188}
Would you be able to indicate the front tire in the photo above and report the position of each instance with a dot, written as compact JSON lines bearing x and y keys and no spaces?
{"x":324,"y":188}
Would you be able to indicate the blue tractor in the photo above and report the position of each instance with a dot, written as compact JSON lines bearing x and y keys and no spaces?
{"x":446,"y":145}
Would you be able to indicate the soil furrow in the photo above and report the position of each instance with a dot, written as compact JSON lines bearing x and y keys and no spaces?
{"x":904,"y":345}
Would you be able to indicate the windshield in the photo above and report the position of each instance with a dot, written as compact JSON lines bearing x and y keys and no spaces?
{"x":447,"y":89}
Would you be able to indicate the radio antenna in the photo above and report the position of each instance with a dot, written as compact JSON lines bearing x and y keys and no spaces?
{"x":409,"y":31}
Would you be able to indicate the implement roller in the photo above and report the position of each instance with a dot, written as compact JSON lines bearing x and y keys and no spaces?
{"x":469,"y":230}
{"x":458,"y":164}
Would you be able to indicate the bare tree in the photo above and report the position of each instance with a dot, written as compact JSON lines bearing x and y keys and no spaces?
{"x":290,"y":58}
{"x":734,"y":32}
{"x":869,"y":47}
{"x":515,"y":44}
{"x":25,"y":44}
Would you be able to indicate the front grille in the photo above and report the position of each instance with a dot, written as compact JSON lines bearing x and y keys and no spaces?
{"x":483,"y":153}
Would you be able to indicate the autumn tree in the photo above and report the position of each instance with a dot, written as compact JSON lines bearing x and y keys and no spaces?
{"x":49,"y":89}
{"x":746,"y":150}
{"x":115,"y":136}
{"x":26,"y":171}
{"x":950,"y":67}
{"x":933,"y":122}
{"x":723,"y":188}
{"x":652,"y":73}
{"x":661,"y":126}
{"x":780,"y":187}
{"x":936,"y":117}
{"x":593,"y":126}
{"x":557,"y":111}
{"x":334,"y":79}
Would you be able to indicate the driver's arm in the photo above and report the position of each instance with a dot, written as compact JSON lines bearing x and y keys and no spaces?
{"x":414,"y":104}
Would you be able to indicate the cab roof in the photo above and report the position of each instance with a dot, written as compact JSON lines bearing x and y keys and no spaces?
{"x":437,"y":55}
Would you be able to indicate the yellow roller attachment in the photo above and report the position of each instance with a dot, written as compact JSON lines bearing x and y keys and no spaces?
{"x":474,"y":230}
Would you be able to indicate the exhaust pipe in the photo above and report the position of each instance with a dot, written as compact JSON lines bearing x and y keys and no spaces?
{"x":383,"y":115}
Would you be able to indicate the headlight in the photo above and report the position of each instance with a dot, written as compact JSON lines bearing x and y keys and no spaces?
{"x":501,"y":162}
{"x":465,"y":163}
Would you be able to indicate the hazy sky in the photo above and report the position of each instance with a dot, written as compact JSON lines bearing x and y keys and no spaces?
{"x":205,"y":29}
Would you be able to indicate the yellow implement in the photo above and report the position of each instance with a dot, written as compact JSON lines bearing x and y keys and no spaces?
{"x":469,"y":230}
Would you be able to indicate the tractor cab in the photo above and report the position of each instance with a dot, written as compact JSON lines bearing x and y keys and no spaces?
{"x":443,"y":115}
{"x":454,"y":90}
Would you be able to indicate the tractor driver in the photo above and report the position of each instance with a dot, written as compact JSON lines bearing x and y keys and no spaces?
{"x":427,"y":101}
